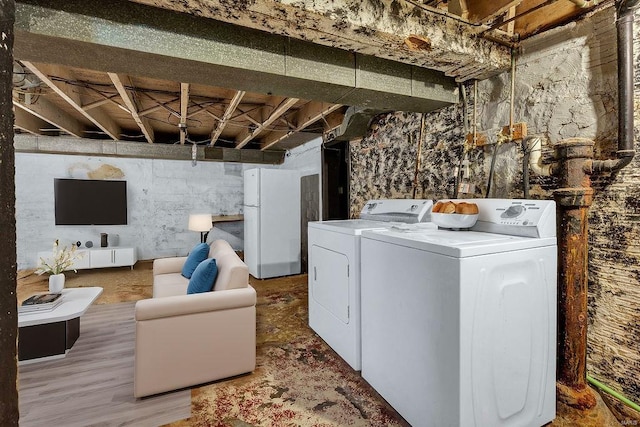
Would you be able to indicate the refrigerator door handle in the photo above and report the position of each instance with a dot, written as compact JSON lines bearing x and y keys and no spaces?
{"x":315,"y":274}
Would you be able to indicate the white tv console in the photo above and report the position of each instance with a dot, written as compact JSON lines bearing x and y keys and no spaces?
{"x":99,"y":258}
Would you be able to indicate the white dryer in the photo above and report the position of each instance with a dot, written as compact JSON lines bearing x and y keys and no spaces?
{"x":334,"y":270}
{"x":459,"y":327}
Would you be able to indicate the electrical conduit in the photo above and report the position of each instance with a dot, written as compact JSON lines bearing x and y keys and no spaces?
{"x":613,"y":393}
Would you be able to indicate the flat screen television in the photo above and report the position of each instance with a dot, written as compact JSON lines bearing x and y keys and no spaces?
{"x":90,"y":202}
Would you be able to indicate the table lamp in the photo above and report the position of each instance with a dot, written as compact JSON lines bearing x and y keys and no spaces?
{"x":201,"y":223}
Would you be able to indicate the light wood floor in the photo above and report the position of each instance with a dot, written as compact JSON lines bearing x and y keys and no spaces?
{"x":93,"y":384}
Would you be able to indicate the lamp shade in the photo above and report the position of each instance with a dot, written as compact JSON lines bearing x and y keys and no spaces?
{"x":200,"y":222}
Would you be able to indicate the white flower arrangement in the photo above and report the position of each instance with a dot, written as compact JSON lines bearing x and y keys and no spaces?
{"x":61,"y":260}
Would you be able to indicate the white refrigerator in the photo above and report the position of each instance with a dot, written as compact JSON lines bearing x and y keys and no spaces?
{"x":272,"y":222}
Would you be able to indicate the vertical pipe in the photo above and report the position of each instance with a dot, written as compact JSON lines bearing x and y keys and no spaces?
{"x":512,"y":96}
{"x":573,"y":200}
{"x":418,"y":156}
{"x":9,"y":414}
{"x":624,"y":32}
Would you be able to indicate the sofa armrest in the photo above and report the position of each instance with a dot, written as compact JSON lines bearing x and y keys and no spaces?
{"x":178,"y":305}
{"x":168,"y":265}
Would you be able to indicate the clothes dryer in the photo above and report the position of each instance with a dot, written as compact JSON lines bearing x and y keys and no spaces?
{"x":334,"y":269}
{"x":459,"y":327}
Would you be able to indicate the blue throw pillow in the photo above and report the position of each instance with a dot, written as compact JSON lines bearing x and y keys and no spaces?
{"x":203,"y":277}
{"x":198,"y":254}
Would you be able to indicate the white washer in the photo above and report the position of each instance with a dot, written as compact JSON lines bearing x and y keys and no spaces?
{"x":334,"y":270}
{"x":459,"y":327}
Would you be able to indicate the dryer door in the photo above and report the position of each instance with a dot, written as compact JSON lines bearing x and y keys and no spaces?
{"x":330,"y":281}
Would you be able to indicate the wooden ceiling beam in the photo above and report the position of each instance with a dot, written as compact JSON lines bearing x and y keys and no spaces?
{"x":545,"y":17}
{"x":233,"y":104}
{"x":48,"y":112}
{"x":160,"y":106}
{"x":98,"y":103}
{"x":98,"y":117}
{"x":124,"y":86}
{"x":247,"y":135}
{"x":27,"y":122}
{"x":306,"y":116}
{"x":485,"y":11}
{"x":184,"y":108}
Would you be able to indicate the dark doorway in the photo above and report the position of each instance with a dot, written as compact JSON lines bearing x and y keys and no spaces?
{"x":335,"y":181}
{"x":310,"y":211}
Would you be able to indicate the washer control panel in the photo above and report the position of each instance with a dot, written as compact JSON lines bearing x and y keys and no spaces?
{"x":518,"y":217}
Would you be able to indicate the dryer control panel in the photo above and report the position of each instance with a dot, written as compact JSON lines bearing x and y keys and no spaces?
{"x":398,"y":210}
{"x":516,"y":217}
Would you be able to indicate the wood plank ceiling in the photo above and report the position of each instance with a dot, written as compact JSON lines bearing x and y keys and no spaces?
{"x":51,"y":99}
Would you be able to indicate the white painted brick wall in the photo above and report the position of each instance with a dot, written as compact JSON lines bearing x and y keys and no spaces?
{"x":161,"y":195}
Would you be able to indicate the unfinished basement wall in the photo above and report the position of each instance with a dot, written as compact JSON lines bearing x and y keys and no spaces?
{"x":566,"y":86}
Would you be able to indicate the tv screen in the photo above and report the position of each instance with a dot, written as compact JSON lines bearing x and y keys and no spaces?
{"x":90,"y":202}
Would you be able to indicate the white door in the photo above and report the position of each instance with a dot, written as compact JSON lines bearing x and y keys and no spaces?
{"x":329,"y":276}
{"x":252,"y":187}
{"x":252,"y":240}
{"x":279,"y":223}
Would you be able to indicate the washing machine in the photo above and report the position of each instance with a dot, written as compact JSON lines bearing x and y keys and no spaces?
{"x":459,"y":326}
{"x":334,"y":269}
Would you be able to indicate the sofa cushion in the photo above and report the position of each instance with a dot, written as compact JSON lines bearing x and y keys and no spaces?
{"x":169,"y":284}
{"x":196,"y":256}
{"x":203,"y":277}
{"x":219,"y":247}
{"x":232,"y":272}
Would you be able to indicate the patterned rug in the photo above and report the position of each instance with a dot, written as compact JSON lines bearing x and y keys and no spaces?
{"x":299,"y":380}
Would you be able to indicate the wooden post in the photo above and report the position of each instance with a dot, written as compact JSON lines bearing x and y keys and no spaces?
{"x":9,"y":414}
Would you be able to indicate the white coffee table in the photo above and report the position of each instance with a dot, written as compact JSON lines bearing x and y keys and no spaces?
{"x":50,"y":334}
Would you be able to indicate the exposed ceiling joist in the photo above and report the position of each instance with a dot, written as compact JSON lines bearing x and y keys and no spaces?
{"x":485,"y":11}
{"x":546,"y":17}
{"x":122,"y":82}
{"x":184,"y":108}
{"x":307,"y":115}
{"x":45,"y":110}
{"x":98,"y":103}
{"x":28,"y":122}
{"x":247,"y":135}
{"x":97,"y":116}
{"x":160,"y":106}
{"x":228,"y":112}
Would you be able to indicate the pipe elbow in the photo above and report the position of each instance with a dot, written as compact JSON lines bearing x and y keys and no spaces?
{"x":535,"y":159}
{"x":613,"y":165}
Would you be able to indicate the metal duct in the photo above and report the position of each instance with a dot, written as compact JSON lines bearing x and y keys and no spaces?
{"x":626,"y":150}
{"x":355,"y":123}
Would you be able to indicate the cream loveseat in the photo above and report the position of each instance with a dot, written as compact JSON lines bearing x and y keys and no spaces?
{"x":183,"y":340}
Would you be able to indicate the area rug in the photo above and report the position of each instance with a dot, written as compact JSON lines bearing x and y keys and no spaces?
{"x":299,"y":380}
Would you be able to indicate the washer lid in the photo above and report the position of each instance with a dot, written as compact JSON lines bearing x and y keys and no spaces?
{"x":457,"y":244}
{"x":349,"y":226}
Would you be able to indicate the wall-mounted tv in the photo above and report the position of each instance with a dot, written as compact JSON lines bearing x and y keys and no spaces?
{"x":90,"y":202}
